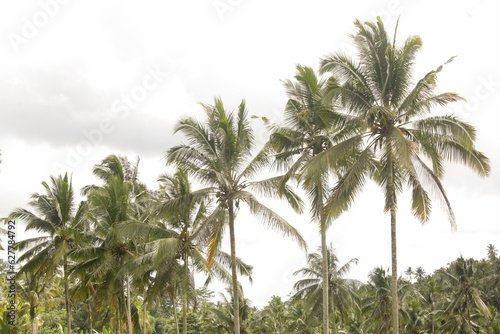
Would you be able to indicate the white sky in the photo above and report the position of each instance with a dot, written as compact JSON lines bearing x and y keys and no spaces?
{"x":68,"y":66}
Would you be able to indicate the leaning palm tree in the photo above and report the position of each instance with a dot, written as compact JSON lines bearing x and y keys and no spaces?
{"x":341,"y":290}
{"x":57,"y":217}
{"x":219,"y":154}
{"x":395,"y":134}
{"x":307,"y":132}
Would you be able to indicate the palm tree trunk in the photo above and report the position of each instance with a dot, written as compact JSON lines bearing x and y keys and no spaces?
{"x":89,"y":305}
{"x":120,"y":324}
{"x":394,"y":254}
{"x":195,"y":302}
{"x":144,"y":311}
{"x":129,"y":310}
{"x":334,"y":322}
{"x":117,"y":316}
{"x":128,"y":324}
{"x":66,"y":293}
{"x":174,"y":304}
{"x":432,"y":319}
{"x":185,"y":295}
{"x":236,"y":300}
{"x":33,"y":322}
{"x":324,"y":255}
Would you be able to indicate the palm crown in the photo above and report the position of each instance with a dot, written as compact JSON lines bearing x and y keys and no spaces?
{"x":219,"y":154}
{"x":395,"y":138}
{"x":389,"y":114}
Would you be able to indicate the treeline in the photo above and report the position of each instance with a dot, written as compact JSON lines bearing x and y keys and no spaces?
{"x":127,"y":254}
{"x":462,"y":297}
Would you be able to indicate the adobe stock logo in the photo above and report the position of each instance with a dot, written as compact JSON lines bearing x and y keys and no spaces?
{"x":31,"y":26}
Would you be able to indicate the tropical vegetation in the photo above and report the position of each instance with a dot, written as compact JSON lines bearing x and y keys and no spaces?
{"x":119,"y":257}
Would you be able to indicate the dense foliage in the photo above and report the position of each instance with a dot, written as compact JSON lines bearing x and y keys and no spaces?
{"x":462,"y":297}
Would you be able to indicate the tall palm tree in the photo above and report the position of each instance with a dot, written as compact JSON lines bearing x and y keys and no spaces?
{"x":341,"y":290}
{"x":394,"y":135}
{"x":307,"y":132}
{"x":219,"y":154}
{"x":183,"y":218}
{"x":111,"y":206}
{"x":56,"y":216}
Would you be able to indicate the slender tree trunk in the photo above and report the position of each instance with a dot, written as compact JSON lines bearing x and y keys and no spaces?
{"x":66,"y":293}
{"x":117,"y":316}
{"x":195,"y":303}
{"x":324,"y":256}
{"x":394,"y":254}
{"x":129,"y":327}
{"x":144,"y":311}
{"x":174,"y":304}
{"x":33,"y":322}
{"x":236,"y":300}
{"x":89,"y":305}
{"x":432,"y":319}
{"x":129,"y":310}
{"x":185,"y":294}
{"x":334,"y":322}
{"x":120,"y":324}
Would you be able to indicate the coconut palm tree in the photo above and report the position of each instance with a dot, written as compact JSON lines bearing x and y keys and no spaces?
{"x":300,"y":318}
{"x":111,"y":206}
{"x":307,"y":132}
{"x":466,"y":304}
{"x":37,"y":293}
{"x":57,"y":217}
{"x":409,"y":272}
{"x":183,"y":217}
{"x":219,"y":153}
{"x":492,"y":252}
{"x":419,"y":274}
{"x":273,"y":317}
{"x":395,"y":135}
{"x":429,"y":297}
{"x":220,"y":317}
{"x":341,"y":290}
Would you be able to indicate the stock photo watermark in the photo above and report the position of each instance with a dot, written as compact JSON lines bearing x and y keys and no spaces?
{"x":33,"y":24}
{"x":485,"y":88}
{"x":222,"y":7}
{"x":120,"y":110}
{"x":11,"y":272}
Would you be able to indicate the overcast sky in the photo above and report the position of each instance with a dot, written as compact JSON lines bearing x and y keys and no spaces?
{"x":80,"y":80}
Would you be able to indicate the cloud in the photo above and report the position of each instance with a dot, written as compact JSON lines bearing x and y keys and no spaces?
{"x":59,"y":107}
